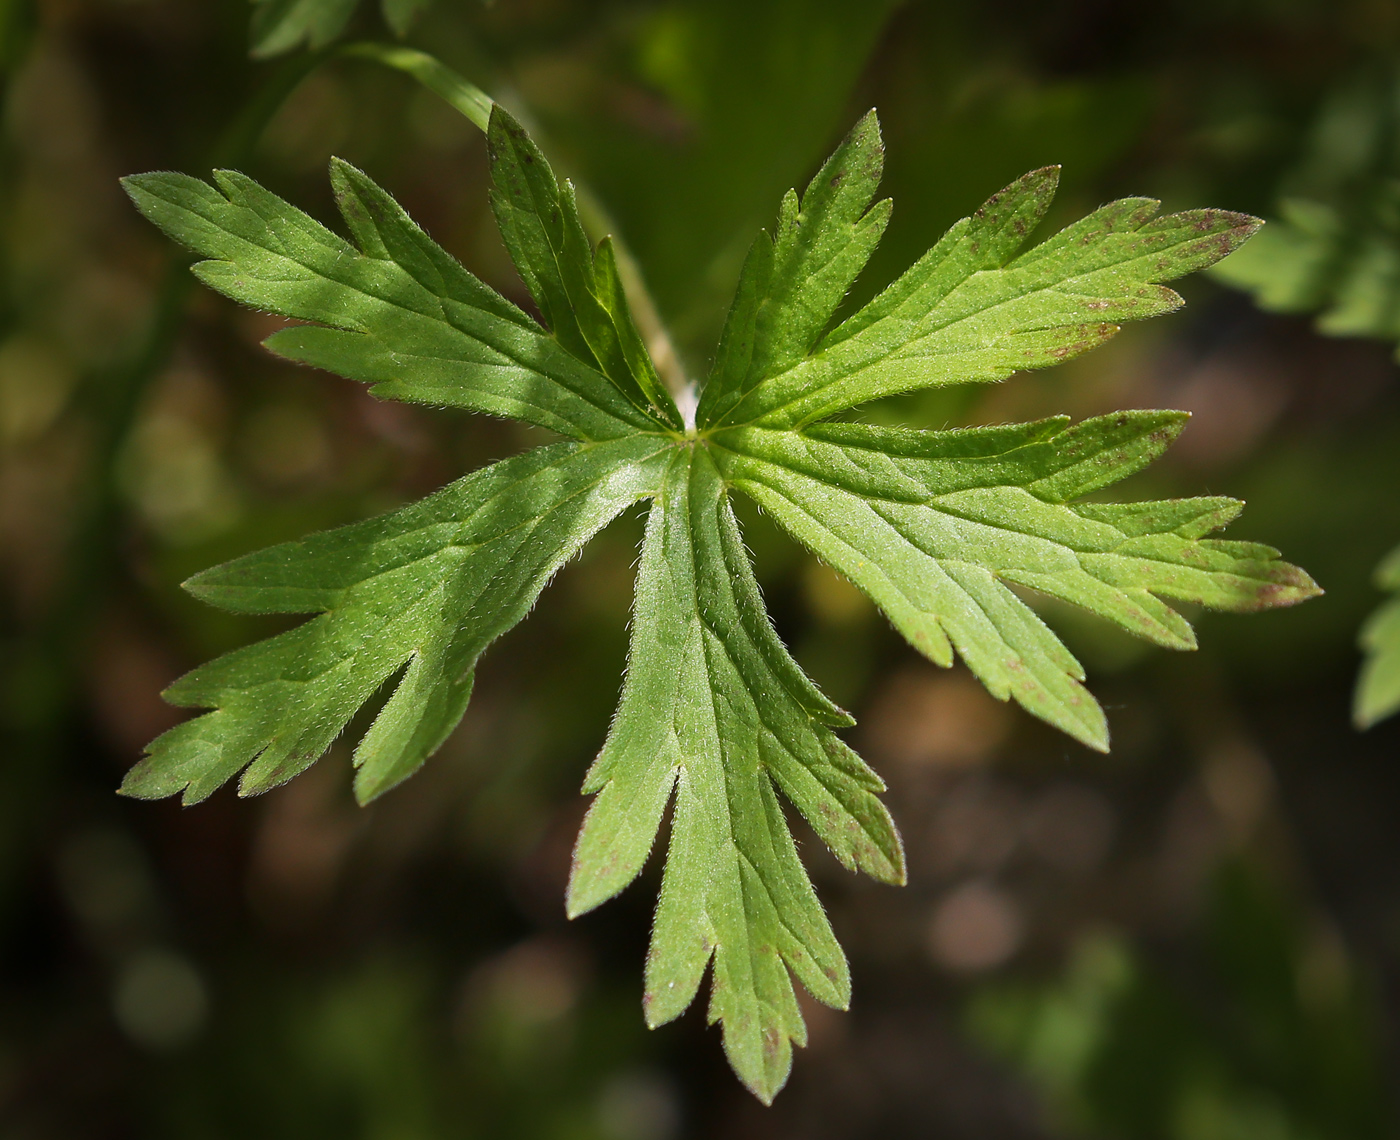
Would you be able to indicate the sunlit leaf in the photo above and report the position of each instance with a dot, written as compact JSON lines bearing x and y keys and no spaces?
{"x":716,"y":719}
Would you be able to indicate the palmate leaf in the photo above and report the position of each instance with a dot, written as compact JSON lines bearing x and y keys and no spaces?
{"x":715,"y":717}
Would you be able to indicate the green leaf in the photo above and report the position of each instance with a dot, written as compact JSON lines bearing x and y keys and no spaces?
{"x":715,"y":711}
{"x":280,"y":25}
{"x":1378,"y":689}
{"x":1334,"y":252}
{"x":576,"y":288}
{"x":939,"y":528}
{"x":1313,"y":261}
{"x":396,"y":312}
{"x":792,"y":281}
{"x":1334,"y":249}
{"x":416,"y":595}
{"x":969,"y":311}
{"x":401,"y":15}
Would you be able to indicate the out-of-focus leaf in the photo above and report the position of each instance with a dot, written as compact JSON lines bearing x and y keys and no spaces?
{"x":1378,"y":688}
{"x":1119,"y":1047}
{"x":400,"y":15}
{"x":737,"y":102}
{"x":1334,"y":249}
{"x":281,"y":25}
{"x":1335,"y":252}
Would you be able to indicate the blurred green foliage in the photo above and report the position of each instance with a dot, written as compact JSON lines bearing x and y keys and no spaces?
{"x":1334,"y":253}
{"x":1270,"y":1036}
{"x":1335,"y":250}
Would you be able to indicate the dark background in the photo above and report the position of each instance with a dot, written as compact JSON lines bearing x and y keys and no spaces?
{"x":1194,"y":938}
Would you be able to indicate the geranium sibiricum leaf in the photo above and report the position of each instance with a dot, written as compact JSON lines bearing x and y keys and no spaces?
{"x":1378,"y":689}
{"x":715,"y":719}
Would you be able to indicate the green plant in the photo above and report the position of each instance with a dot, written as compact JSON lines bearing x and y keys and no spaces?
{"x":1335,"y":252}
{"x":1268,"y":1031}
{"x":279,"y":26}
{"x":1378,"y":687}
{"x":935,"y":526}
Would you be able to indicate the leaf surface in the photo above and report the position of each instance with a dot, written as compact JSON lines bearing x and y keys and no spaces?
{"x":971,"y":311}
{"x":414,"y":596}
{"x":944,"y":530}
{"x":577,"y":288}
{"x":394,"y":311}
{"x":936,"y":527}
{"x":716,"y":714}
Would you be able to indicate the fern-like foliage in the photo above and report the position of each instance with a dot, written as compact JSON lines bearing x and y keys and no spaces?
{"x":716,"y":719}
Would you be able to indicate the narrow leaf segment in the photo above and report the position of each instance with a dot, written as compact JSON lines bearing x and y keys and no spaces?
{"x":716,"y":711}
{"x":716,"y":719}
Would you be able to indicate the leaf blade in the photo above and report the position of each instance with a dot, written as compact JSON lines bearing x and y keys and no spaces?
{"x":792,"y":282}
{"x":279,"y":26}
{"x":936,"y":526}
{"x":417,"y":594}
{"x":577,"y":288}
{"x":706,"y":717}
{"x":398,"y":313}
{"x":971,"y":312}
{"x":1378,"y":687}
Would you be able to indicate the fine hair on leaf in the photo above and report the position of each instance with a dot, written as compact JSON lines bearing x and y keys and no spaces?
{"x":717,"y":723}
